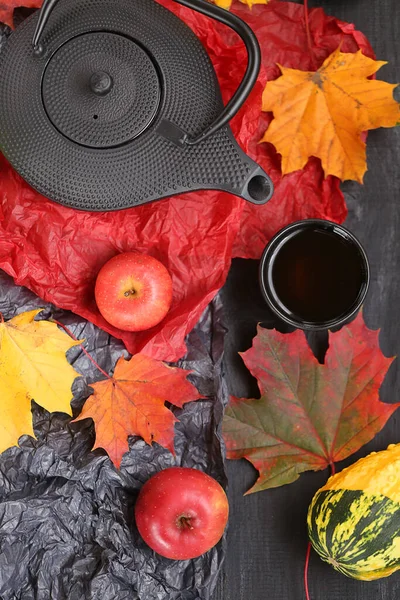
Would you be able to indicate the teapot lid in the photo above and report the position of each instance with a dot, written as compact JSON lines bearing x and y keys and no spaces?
{"x":95,"y":119}
{"x":101,"y":90}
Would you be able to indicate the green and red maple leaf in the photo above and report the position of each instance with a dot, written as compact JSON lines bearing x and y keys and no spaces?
{"x":309,"y":415}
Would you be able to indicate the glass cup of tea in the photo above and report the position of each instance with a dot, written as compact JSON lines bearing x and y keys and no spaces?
{"x":314,"y":274}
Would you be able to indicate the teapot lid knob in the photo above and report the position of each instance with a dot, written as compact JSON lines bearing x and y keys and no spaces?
{"x":101,"y":83}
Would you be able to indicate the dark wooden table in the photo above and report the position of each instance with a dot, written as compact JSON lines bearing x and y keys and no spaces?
{"x":267,"y":535}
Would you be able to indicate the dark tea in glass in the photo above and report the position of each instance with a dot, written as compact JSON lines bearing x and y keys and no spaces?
{"x":314,"y":274}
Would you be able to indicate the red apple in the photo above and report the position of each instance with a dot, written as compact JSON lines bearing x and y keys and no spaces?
{"x":181,"y":513}
{"x":133,"y":291}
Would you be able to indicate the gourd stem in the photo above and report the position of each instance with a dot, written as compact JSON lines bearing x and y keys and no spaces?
{"x":83,"y":348}
{"x":333,"y":470}
{"x":306,"y":571}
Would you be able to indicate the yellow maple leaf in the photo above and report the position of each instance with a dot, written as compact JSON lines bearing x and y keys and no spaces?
{"x":324,"y":113}
{"x":227,"y":3}
{"x":33,"y":366}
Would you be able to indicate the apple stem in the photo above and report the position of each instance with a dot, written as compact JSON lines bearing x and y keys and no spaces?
{"x":185,"y":522}
{"x":129,"y":293}
{"x":82,"y":346}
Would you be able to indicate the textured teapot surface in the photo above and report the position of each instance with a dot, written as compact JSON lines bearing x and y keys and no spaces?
{"x":96,"y":120}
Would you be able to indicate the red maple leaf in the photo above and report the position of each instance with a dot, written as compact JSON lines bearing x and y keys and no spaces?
{"x":132,"y":402}
{"x":7,"y":9}
{"x":309,"y":415}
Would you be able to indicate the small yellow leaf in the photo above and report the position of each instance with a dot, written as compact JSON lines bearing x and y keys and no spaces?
{"x":33,"y":366}
{"x":324,"y":113}
{"x":227,"y":3}
{"x":223,"y":3}
{"x":252,"y":2}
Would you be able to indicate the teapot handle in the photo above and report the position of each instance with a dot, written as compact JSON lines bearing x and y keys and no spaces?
{"x":214,"y":12}
{"x":44,"y":15}
{"x":253,"y":64}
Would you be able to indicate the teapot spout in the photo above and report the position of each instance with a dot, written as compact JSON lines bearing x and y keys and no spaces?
{"x":258,"y":188}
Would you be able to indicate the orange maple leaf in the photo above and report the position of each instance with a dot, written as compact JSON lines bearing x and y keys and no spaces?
{"x":132,"y":402}
{"x":324,"y":113}
{"x":7,"y":9}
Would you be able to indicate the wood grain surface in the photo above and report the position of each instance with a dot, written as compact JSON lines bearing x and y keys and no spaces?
{"x":267,"y":535}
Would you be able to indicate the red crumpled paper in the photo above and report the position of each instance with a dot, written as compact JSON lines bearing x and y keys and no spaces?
{"x":304,"y":194}
{"x":57,"y":252}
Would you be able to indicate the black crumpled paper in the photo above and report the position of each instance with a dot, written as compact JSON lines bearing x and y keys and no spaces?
{"x":67,"y":528}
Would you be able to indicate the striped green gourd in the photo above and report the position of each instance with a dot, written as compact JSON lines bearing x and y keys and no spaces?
{"x":354,"y":520}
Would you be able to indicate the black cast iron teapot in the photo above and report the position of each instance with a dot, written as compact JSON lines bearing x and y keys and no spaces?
{"x":108,"y":104}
